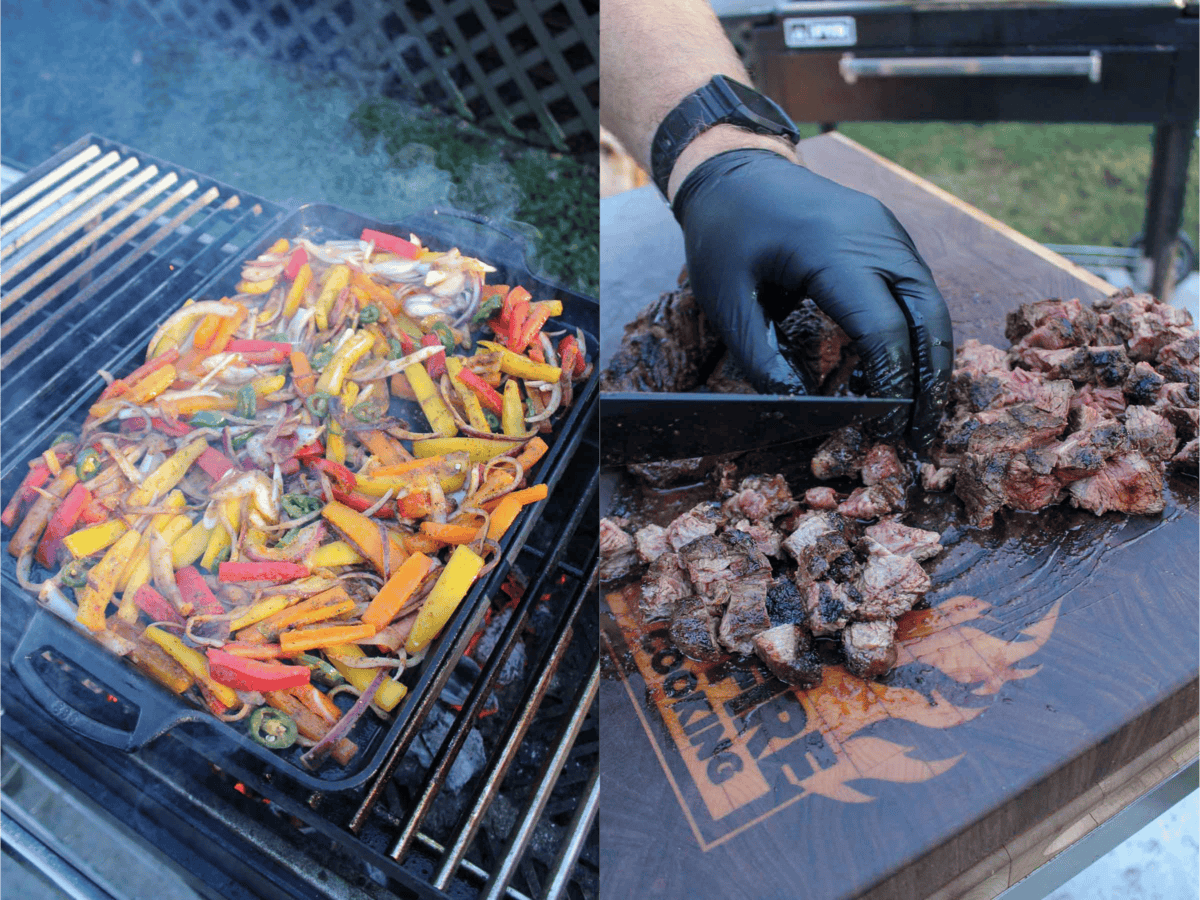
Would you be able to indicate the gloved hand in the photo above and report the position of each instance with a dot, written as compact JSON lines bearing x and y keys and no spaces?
{"x":762,"y":233}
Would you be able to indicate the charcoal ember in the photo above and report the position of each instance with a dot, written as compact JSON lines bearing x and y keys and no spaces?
{"x":1150,"y":434}
{"x":728,"y":378}
{"x":1111,"y":365}
{"x":808,"y":528}
{"x":766,"y":539}
{"x":1142,"y":384}
{"x":936,"y":478}
{"x":828,"y":557}
{"x":1110,"y":401}
{"x":788,"y":653}
{"x":979,"y":483}
{"x":1188,"y":458}
{"x":718,"y":564}
{"x":821,"y":498}
{"x":839,"y":456}
{"x":830,"y":606}
{"x":745,"y":616}
{"x":889,"y":586}
{"x":1072,"y":363}
{"x":785,"y":604}
{"x":881,"y":463}
{"x":663,"y":586}
{"x":618,"y":555}
{"x":891,"y":536}
{"x":1177,"y":360}
{"x":1052,"y":324}
{"x":872,"y":501}
{"x":651,"y":542}
{"x":703,"y":518}
{"x":1126,"y":483}
{"x":870,"y":648}
{"x":666,"y":348}
{"x":761,"y":499}
{"x":694,"y":631}
{"x":819,"y":340}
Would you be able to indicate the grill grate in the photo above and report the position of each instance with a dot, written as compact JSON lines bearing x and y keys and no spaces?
{"x":100,"y":301}
{"x":529,"y":67}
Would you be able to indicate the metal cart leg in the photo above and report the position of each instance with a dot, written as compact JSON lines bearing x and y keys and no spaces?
{"x":1164,"y":202}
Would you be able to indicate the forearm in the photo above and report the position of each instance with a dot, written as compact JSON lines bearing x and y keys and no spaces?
{"x":652,"y":55}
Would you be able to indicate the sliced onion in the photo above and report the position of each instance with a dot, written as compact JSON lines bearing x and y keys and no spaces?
{"x":387,"y":368}
{"x":313,"y":757}
{"x":204,"y":307}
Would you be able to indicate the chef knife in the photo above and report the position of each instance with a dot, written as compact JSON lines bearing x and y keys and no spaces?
{"x":645,"y":427}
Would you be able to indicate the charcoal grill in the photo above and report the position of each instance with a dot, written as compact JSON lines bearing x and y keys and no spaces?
{"x":100,"y":243}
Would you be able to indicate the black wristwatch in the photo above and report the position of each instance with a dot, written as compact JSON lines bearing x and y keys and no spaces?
{"x":722,"y":101}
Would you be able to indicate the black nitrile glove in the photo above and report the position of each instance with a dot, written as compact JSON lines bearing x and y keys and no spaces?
{"x":760,"y":229}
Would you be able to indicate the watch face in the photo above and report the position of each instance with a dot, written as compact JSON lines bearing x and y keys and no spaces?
{"x":756,"y":105}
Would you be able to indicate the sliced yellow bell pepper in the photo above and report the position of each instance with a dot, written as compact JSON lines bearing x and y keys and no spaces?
{"x":387,"y":696}
{"x":87,"y":541}
{"x":478,"y":449}
{"x":169,"y":474}
{"x":336,"y":280}
{"x":452,"y":585}
{"x":522,"y":366}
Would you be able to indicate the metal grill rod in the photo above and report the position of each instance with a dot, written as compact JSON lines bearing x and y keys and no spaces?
{"x":533,"y":812}
{"x":108,"y":159}
{"x":577,"y":832}
{"x":48,"y":179}
{"x":530,"y":704}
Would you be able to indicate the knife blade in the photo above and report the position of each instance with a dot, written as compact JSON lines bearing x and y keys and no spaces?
{"x":647,"y":427}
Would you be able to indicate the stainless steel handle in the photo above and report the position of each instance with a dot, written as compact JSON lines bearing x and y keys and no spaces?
{"x":852,"y":67}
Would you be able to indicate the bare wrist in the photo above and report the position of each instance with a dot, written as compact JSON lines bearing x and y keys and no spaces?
{"x":718,"y":140}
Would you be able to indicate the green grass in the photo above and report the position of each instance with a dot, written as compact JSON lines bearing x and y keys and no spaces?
{"x":555,"y":194}
{"x":1058,"y":184}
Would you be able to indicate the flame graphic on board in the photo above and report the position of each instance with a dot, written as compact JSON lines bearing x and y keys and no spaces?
{"x":751,"y":745}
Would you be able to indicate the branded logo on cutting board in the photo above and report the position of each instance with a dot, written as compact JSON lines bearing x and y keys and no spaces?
{"x":822,"y":31}
{"x":746,"y":745}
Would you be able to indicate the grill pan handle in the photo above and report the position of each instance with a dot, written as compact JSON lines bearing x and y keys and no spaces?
{"x":157,"y":710}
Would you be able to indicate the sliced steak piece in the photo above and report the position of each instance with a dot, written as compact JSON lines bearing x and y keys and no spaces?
{"x":839,"y":456}
{"x":767,"y":540}
{"x":716,"y":564}
{"x":1109,"y":401}
{"x":672,"y":472}
{"x":1052,"y":324}
{"x":666,"y":348}
{"x":1111,"y":365}
{"x":870,"y":648}
{"x":701,"y":519}
{"x":975,"y":358}
{"x":788,"y":653}
{"x":828,"y":557}
{"x":728,"y":378}
{"x":694,"y":631}
{"x":1028,"y":482}
{"x":1188,"y":458}
{"x":1126,"y":483}
{"x":937,"y":478}
{"x":881,"y":463}
{"x":651,"y":542}
{"x":1096,"y":437}
{"x":821,"y":498}
{"x":873,"y":501}
{"x":819,"y":340}
{"x":1150,"y":434}
{"x":761,"y":499}
{"x":1073,"y":363}
{"x":889,"y":586}
{"x":1177,"y":361}
{"x":1142,"y":384}
{"x":663,"y":586}
{"x":785,"y":604}
{"x":889,"y":536}
{"x":745,"y":616}
{"x":830,"y":607}
{"x":1155,"y":329}
{"x":618,"y":557}
{"x":809,"y":527}
{"x":979,"y":483}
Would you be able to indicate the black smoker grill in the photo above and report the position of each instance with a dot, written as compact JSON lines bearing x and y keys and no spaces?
{"x":1119,"y":61}
{"x":104,"y":242}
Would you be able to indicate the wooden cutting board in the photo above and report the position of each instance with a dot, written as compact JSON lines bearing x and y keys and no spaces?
{"x":1058,"y":647}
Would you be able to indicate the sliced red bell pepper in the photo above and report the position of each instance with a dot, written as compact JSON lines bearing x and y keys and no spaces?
{"x":517,"y":317}
{"x":391,"y":243}
{"x":195,"y":591}
{"x":314,"y":450}
{"x":289,"y":466}
{"x":260,"y":353}
{"x":488,"y":395}
{"x":407,"y":344}
{"x":156,"y":606}
{"x":341,"y":476}
{"x":214,"y":462}
{"x":97,"y":510}
{"x":37,"y":477}
{"x":298,"y":258}
{"x":538,"y":316}
{"x":275,"y":572}
{"x":566,"y":345}
{"x":436,"y":364}
{"x":60,"y":524}
{"x":170,"y":427}
{"x":361,"y":503}
{"x":245,"y":674}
